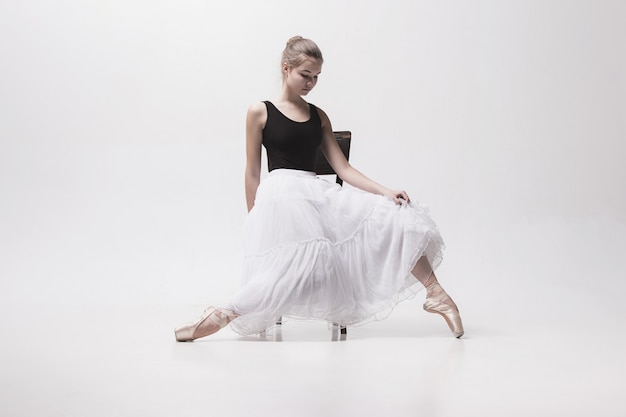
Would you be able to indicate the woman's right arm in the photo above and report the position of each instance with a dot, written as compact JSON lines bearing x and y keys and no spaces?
{"x":255,"y":121}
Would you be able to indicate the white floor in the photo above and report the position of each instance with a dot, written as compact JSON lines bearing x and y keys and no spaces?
{"x":88,"y":304}
{"x":555,"y":352}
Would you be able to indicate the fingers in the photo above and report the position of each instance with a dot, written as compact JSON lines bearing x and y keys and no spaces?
{"x":398,"y":197}
{"x":401,"y":197}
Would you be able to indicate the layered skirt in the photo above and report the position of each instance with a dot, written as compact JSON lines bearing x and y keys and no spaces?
{"x":316,"y":250}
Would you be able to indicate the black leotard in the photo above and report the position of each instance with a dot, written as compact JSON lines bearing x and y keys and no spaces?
{"x":291,"y":144}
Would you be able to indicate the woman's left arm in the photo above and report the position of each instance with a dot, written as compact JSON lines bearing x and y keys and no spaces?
{"x":347,"y":172}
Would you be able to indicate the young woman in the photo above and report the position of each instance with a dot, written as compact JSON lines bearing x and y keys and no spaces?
{"x":314,"y":249}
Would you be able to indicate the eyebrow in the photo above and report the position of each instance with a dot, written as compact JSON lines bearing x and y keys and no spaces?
{"x":311,"y":72}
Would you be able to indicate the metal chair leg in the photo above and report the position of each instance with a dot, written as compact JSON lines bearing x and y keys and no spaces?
{"x":338,"y":332}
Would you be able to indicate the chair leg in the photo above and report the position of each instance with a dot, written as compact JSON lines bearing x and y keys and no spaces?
{"x":338,"y":332}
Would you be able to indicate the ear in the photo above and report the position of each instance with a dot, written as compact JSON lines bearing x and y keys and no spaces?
{"x":285,"y":68}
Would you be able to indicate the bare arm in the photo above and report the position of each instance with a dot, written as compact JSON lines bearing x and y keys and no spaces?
{"x":255,"y":120}
{"x":347,"y":172}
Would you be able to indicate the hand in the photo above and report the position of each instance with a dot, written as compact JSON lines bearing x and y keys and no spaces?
{"x":398,"y":197}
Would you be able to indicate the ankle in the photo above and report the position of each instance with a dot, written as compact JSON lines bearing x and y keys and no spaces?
{"x":229,"y":314}
{"x":430,"y":281}
{"x":433,"y":289}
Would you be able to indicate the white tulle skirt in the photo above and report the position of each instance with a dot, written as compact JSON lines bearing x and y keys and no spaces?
{"x":315,"y":250}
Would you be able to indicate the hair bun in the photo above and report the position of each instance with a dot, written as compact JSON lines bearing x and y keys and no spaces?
{"x":294,"y":39}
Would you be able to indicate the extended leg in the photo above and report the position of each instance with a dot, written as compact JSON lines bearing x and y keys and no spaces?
{"x":437,"y":300}
{"x":212,"y":320}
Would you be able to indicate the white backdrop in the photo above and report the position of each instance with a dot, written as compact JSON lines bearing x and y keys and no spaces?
{"x":122,"y":136}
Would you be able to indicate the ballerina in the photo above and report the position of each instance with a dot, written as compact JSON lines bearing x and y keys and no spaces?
{"x":313,"y":249}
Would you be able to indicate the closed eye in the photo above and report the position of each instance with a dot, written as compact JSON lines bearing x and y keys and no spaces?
{"x":309,"y":76}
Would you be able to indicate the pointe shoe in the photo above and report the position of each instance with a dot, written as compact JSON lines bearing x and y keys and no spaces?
{"x":438,"y":303}
{"x":212,"y":320}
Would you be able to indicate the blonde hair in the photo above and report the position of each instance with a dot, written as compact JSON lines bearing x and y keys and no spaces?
{"x":298,"y":49}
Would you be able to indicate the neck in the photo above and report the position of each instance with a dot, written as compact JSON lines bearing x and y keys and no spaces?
{"x":289,"y":96}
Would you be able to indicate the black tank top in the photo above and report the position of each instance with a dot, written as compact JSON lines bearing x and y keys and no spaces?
{"x":291,"y":144}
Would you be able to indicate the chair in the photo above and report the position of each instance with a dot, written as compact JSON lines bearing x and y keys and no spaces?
{"x":322,"y":167}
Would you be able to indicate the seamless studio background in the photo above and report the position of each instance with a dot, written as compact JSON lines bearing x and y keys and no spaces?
{"x":122,"y":160}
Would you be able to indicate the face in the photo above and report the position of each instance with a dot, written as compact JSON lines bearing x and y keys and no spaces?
{"x":303,"y":78}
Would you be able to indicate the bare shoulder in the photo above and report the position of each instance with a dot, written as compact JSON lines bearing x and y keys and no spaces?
{"x":321,"y":112}
{"x":257,"y":110}
{"x":323,"y":117}
{"x":257,"y":113}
